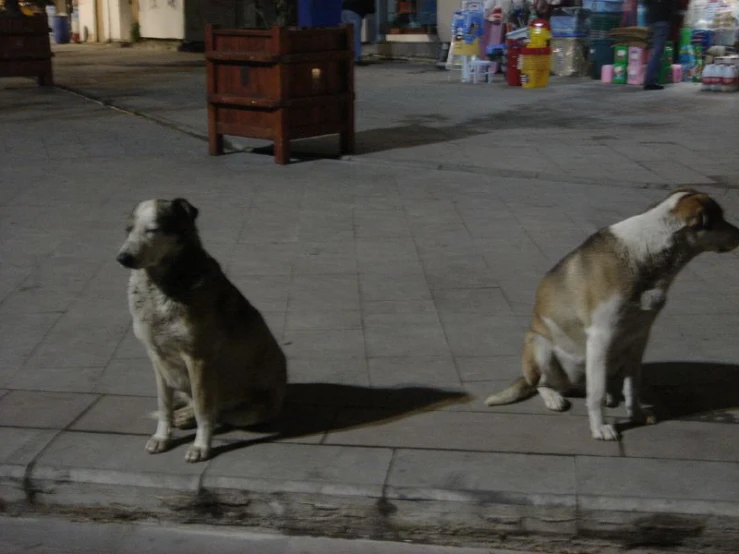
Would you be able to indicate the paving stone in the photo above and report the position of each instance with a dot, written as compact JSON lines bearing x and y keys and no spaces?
{"x":345,"y":370}
{"x":456,"y":272}
{"x":393,"y":285}
{"x":132,"y":376}
{"x":66,"y":379}
{"x":377,"y":255}
{"x":657,"y":485}
{"x":20,"y":335}
{"x":80,"y":339}
{"x":481,"y":335}
{"x":326,"y":343}
{"x":125,"y":415}
{"x":20,"y":447}
{"x":51,"y":410}
{"x":389,"y":307}
{"x":324,"y":292}
{"x":265,"y":292}
{"x":447,"y":430}
{"x":517,"y":478}
{"x":486,"y":368}
{"x":115,"y":460}
{"x":683,"y":440}
{"x":404,"y":334}
{"x":130,"y":346}
{"x":315,"y":320}
{"x":487,"y":301}
{"x":301,"y":468}
{"x":262,"y":258}
{"x":413,"y":370}
{"x":337,"y":256}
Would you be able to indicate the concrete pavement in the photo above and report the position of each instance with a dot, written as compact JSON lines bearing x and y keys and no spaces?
{"x":400,"y":283}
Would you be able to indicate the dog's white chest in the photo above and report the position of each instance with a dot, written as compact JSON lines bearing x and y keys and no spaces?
{"x":160,"y":323}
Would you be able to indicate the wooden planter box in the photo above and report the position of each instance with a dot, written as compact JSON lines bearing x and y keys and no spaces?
{"x":280,"y":84}
{"x":25,"y":50}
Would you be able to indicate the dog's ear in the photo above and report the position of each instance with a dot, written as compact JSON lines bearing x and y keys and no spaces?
{"x":183,"y":206}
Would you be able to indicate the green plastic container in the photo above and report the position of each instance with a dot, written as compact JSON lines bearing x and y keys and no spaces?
{"x":686,"y":34}
{"x":620,"y":55}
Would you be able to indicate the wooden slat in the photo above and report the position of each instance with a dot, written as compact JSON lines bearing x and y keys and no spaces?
{"x":253,"y":57}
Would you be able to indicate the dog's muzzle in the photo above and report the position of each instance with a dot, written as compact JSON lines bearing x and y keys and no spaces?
{"x":126,"y":260}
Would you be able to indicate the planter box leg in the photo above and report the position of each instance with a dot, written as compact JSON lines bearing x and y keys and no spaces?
{"x":347,"y":141}
{"x":282,"y":151}
{"x":215,"y":140}
{"x":45,"y":79}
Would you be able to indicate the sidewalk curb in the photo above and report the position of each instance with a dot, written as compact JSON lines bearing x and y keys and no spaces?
{"x":466,"y":518}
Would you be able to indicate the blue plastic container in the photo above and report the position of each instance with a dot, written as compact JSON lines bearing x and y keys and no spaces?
{"x":603,"y":6}
{"x":319,"y":13}
{"x":60,"y":29}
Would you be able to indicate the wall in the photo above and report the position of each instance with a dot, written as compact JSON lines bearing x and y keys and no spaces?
{"x":164,"y":19}
{"x":444,"y":11}
{"x":87,"y":20}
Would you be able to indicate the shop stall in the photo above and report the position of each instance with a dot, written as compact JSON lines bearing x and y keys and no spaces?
{"x":608,"y":40}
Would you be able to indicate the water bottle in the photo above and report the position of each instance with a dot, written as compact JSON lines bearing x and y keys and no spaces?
{"x":641,"y":15}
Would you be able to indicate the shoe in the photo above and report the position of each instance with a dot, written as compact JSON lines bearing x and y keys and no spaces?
{"x":653,"y":86}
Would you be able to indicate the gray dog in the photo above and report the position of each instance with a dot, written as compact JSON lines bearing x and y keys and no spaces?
{"x":204,"y":339}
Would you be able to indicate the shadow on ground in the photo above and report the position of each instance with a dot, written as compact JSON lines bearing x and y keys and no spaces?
{"x":312,"y":408}
{"x":698,"y":391}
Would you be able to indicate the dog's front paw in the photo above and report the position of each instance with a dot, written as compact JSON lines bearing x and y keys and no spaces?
{"x":197,"y":454}
{"x":155,"y":445}
{"x":605,"y":433}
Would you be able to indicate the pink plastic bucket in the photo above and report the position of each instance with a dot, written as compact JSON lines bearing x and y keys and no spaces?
{"x":606,"y":74}
{"x":677,"y":73}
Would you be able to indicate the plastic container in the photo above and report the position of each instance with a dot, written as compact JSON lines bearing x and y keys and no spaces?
{"x":606,"y":74}
{"x":603,"y":6}
{"x":637,"y":55}
{"x":619,"y":74}
{"x":620,"y":55}
{"x":635,"y":74}
{"x":513,"y":75}
{"x":61,"y":28}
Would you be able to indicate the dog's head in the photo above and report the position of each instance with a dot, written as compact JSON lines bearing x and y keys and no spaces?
{"x":702,"y":222}
{"x":157,"y":230}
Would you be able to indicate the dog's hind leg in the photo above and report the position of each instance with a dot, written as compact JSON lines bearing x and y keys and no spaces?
{"x":538,"y":359}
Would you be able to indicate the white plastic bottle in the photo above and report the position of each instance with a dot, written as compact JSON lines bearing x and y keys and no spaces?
{"x":715,"y":78}
{"x":706,"y":77}
{"x":727,"y":78}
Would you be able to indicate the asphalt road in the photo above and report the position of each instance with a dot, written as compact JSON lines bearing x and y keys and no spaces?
{"x":51,"y":536}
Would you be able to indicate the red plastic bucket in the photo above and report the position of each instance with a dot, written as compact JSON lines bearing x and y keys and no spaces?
{"x":513,"y":75}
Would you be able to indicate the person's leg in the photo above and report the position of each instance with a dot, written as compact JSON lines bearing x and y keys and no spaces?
{"x":353,"y":18}
{"x":660,"y":31}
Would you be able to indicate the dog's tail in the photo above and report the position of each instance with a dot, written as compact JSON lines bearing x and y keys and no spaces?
{"x":519,"y":390}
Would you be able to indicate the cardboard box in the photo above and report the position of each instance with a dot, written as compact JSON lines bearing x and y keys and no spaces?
{"x":637,"y":55}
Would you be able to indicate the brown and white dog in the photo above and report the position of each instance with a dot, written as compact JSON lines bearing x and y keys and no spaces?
{"x":595,"y":308}
{"x":205,"y":340}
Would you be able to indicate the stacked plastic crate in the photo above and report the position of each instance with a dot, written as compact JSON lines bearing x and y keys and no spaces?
{"x":569,"y":36}
{"x":604,"y":16}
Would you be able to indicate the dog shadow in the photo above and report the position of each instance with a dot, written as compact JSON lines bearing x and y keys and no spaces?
{"x":690,"y":391}
{"x":318,"y":408}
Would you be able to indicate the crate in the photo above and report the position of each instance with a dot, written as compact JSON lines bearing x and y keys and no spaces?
{"x":603,"y":6}
{"x":569,"y":23}
{"x":280,"y":84}
{"x":25,"y":50}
